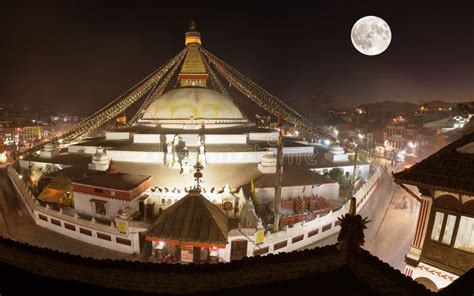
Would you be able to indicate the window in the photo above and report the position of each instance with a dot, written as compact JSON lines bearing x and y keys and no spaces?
{"x":100,"y":208}
{"x":438,"y":222}
{"x":43,"y":217}
{"x":443,"y":227}
{"x":448,"y":229}
{"x":98,"y":190}
{"x":465,"y":237}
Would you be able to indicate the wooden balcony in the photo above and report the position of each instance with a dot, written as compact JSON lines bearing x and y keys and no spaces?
{"x":444,"y":257}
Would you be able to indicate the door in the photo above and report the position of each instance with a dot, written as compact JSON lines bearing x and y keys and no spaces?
{"x":238,"y":249}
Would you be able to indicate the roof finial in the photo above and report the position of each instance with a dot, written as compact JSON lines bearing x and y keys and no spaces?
{"x":192,"y":26}
{"x":198,"y":175}
{"x":192,"y":36}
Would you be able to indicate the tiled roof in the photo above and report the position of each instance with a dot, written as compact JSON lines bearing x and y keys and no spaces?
{"x":192,"y":219}
{"x":321,"y":269}
{"x":447,"y":169}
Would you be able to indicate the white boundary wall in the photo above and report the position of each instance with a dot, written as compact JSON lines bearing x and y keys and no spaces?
{"x":290,"y":239}
{"x":45,"y":217}
{"x":305,"y":233}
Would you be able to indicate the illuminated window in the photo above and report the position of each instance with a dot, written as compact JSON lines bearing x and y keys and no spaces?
{"x":437,"y":226}
{"x":465,"y":237}
{"x":448,"y":229}
{"x":443,"y":228}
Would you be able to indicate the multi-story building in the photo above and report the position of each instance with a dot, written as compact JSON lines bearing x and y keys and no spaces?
{"x":443,"y":246}
{"x":30,"y":133}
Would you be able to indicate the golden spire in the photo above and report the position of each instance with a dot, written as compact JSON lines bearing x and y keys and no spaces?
{"x":192,"y":36}
{"x":193,"y":71}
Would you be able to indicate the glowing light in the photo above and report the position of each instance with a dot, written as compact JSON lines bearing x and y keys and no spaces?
{"x":360,"y":136}
{"x":3,"y":157}
{"x":326,"y":142}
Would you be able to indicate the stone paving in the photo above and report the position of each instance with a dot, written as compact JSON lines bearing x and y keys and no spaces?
{"x":17,"y":224}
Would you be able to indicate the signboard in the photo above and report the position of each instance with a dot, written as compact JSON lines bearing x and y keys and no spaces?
{"x":260,"y":237}
{"x":122,"y":226}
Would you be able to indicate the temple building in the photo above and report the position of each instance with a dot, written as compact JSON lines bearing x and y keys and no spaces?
{"x":191,"y":230}
{"x":443,"y":246}
{"x":192,"y":121}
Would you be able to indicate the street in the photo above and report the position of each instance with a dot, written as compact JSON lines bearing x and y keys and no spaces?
{"x":393,"y":222}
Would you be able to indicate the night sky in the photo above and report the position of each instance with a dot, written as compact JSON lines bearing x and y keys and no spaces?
{"x":79,"y":55}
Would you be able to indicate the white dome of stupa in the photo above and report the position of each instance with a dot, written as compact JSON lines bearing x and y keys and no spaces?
{"x":192,"y":102}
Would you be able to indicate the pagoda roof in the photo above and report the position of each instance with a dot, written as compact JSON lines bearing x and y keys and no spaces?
{"x":193,"y":220}
{"x":448,"y":169}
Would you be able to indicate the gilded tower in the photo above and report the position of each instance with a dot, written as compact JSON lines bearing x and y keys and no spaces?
{"x":193,"y":72}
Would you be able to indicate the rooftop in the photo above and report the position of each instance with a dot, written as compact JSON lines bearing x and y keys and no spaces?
{"x":446,"y":169}
{"x":193,"y":219}
{"x":323,"y":269}
{"x":119,"y":181}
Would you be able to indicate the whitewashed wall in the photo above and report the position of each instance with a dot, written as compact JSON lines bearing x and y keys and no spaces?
{"x":329,"y":191}
{"x":136,"y":156}
{"x":35,"y":210}
{"x":117,"y":135}
{"x":84,"y":205}
{"x":146,"y":138}
{"x":312,"y":231}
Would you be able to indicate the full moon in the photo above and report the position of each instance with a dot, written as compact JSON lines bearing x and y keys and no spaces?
{"x":371,"y":35}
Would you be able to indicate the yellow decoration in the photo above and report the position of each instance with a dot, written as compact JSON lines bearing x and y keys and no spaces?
{"x":122,"y":226}
{"x":260,"y":237}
